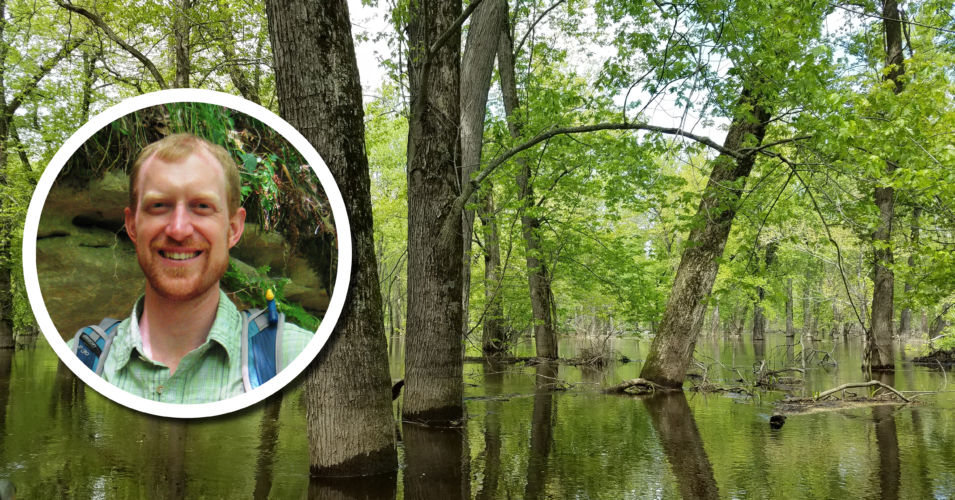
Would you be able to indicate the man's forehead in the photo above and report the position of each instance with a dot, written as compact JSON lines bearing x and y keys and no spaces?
{"x":199,"y":159}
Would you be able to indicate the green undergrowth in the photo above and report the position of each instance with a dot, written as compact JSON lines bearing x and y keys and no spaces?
{"x":248,"y":289}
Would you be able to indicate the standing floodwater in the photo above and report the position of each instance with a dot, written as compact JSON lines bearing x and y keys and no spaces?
{"x":533,"y":431}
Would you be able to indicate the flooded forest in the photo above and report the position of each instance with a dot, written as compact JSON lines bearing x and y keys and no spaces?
{"x":600,"y":248}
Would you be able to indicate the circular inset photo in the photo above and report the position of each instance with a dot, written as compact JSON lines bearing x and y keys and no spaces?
{"x":186,"y":253}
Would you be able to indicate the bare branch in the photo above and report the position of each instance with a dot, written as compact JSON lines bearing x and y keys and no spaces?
{"x":530,"y":30}
{"x":99,"y":23}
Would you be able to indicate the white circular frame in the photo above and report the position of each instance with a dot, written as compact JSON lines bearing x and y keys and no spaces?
{"x":336,"y":302}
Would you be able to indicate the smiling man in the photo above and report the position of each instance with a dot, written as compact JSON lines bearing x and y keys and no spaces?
{"x":185,"y":341}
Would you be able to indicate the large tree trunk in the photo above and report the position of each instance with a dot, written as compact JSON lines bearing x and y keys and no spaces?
{"x":348,"y":398}
{"x":434,"y":358}
{"x":476,"y":66}
{"x":538,"y":280}
{"x":879,"y":354}
{"x":672,"y":348}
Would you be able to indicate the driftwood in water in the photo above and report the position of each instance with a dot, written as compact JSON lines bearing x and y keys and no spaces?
{"x":825,"y":402}
{"x":871,"y":383}
{"x":635,"y":386}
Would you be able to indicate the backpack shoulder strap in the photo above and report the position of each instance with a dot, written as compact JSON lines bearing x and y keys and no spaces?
{"x":92,"y":343}
{"x":261,"y":347}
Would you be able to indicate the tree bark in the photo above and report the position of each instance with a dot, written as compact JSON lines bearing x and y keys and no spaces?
{"x":879,"y":354}
{"x":348,"y":397}
{"x":790,"y":331}
{"x":247,"y":88}
{"x":434,"y":359}
{"x":672,"y":348}
{"x":492,"y":338}
{"x":476,"y":66}
{"x":538,"y":280}
{"x":181,"y":28}
{"x":759,"y":319}
{"x":905,"y":318}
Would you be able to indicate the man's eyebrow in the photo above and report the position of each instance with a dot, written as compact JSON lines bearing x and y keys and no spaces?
{"x":201,"y":195}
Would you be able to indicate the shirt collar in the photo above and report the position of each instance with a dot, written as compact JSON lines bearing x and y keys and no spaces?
{"x":225,"y":332}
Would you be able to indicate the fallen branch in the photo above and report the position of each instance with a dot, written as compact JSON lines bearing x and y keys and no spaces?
{"x":871,"y":383}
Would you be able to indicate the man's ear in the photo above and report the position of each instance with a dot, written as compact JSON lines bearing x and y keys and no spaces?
{"x":130,"y":220}
{"x":236,"y":226}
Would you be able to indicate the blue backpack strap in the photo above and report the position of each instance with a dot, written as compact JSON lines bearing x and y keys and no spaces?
{"x":91,"y":343}
{"x":261,"y":347}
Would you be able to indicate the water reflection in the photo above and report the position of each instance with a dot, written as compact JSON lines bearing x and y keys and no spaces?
{"x":68,"y":395}
{"x":6,"y":363}
{"x":437,"y":462}
{"x":268,"y":439}
{"x":493,"y":382}
{"x":542,"y":429}
{"x":674,"y":424}
{"x":526,"y":441}
{"x":354,"y":488}
{"x":164,"y":454}
{"x":887,"y":442}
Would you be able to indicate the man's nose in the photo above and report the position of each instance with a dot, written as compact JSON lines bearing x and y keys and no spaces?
{"x":180,"y":223}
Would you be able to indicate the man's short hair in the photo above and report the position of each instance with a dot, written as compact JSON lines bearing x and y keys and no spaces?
{"x":177,"y":147}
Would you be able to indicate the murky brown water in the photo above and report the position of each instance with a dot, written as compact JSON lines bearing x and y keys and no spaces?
{"x":522,"y":440}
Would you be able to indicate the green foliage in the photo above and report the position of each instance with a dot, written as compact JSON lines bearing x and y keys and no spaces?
{"x":250,"y":287}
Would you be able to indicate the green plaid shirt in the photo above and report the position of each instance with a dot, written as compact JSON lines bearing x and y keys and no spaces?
{"x":211,"y":372}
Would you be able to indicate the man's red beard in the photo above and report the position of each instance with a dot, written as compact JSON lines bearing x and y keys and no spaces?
{"x":182,"y":282}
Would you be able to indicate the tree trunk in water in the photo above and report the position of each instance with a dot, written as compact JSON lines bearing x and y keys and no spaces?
{"x":434,"y":353}
{"x":538,"y":281}
{"x":476,"y":66}
{"x":492,"y":339}
{"x":347,"y":392}
{"x":672,"y":348}
{"x":715,"y":325}
{"x":759,"y":327}
{"x":905,"y":319}
{"x":879,"y":354}
{"x":807,"y":307}
{"x":759,"y":319}
{"x":790,"y":331}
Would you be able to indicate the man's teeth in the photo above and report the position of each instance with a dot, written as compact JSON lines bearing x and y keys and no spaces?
{"x":180,"y":255}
